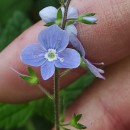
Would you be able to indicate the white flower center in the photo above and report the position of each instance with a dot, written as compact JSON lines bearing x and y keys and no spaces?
{"x":51,"y":55}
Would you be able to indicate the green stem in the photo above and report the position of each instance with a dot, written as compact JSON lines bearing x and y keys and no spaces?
{"x":56,"y":100}
{"x":65,"y":124}
{"x":65,"y":72}
{"x":74,"y":19}
{"x":45,"y":91}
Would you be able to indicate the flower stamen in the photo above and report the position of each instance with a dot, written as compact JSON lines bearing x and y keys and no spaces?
{"x":51,"y":55}
{"x":61,"y":59}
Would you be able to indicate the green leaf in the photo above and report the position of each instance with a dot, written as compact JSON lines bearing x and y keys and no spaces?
{"x":15,"y":115}
{"x":45,"y":108}
{"x":49,"y":24}
{"x":16,"y":24}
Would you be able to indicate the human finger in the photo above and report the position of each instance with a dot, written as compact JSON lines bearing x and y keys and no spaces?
{"x":106,"y":104}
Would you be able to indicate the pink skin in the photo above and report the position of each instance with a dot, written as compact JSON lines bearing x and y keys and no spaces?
{"x":105,"y":105}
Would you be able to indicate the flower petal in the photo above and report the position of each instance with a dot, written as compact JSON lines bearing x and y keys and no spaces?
{"x":33,"y":55}
{"x":54,"y":38}
{"x":48,"y":14}
{"x":71,"y":29}
{"x":96,"y":71}
{"x":47,"y":70}
{"x":77,"y":44}
{"x":91,"y":19}
{"x":72,"y":12}
{"x":71,"y":59}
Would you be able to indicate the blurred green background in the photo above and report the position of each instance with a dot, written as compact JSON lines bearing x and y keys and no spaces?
{"x":15,"y":17}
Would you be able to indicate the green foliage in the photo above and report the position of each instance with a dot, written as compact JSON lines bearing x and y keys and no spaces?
{"x":74,"y":122}
{"x":31,"y":78}
{"x":15,"y":25}
{"x":9,"y":7}
{"x":46,"y":109}
{"x":15,"y":115}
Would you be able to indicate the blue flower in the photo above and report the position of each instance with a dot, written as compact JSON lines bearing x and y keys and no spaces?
{"x":49,"y":14}
{"x":51,"y":52}
{"x":78,"y":46}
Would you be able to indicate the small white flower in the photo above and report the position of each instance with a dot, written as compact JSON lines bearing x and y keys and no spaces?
{"x":49,"y":14}
{"x":92,"y":19}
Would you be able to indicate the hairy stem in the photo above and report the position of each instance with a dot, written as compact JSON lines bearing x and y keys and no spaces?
{"x":45,"y":91}
{"x":65,"y":14}
{"x":56,"y":78}
{"x":56,"y":100}
{"x":65,"y":72}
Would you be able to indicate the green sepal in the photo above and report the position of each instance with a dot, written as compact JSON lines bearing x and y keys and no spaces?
{"x":85,"y":21}
{"x":31,"y":72}
{"x":69,"y":22}
{"x":49,"y":24}
{"x":85,"y":15}
{"x":74,"y":122}
{"x":59,"y":17}
{"x":29,"y":80}
{"x":81,"y":20}
{"x":76,"y":118}
{"x":59,"y":14}
{"x":32,"y":78}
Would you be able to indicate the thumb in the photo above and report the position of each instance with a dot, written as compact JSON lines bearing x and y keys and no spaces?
{"x":105,"y":106}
